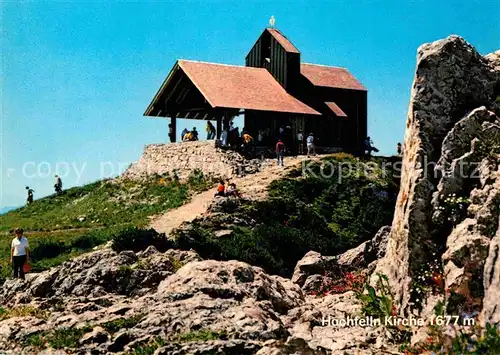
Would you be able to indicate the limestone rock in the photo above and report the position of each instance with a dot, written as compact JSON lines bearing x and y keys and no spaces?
{"x":491,"y":304}
{"x":97,"y":336}
{"x":451,"y":80}
{"x":96,"y":274}
{"x":311,"y":269}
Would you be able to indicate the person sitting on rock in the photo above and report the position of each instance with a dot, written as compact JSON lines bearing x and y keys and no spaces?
{"x":188,"y":137}
{"x":183,"y":133}
{"x":232,"y":191}
{"x":221,"y":191}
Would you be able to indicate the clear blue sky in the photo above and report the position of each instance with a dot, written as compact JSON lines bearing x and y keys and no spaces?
{"x":77,"y":76}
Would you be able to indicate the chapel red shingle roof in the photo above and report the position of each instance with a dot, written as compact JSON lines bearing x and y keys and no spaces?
{"x":285,"y":42}
{"x":335,"y":109}
{"x":241,"y":87}
{"x":334,"y":77}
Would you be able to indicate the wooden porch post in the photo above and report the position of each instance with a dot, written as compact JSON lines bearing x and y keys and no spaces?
{"x":173,"y":122}
{"x":219,"y":126}
{"x":226,"y":120}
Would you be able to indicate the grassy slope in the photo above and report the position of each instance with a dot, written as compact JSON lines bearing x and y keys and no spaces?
{"x":301,"y":214}
{"x":59,"y":227}
{"x":328,"y":215}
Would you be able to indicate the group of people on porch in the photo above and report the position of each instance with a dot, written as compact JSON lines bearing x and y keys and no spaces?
{"x":285,"y":142}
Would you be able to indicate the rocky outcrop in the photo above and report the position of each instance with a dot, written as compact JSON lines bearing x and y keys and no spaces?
{"x":183,"y":158}
{"x":491,"y":281}
{"x":239,"y":302}
{"x":97,"y":274}
{"x":446,"y":124}
{"x":313,"y":267}
{"x":193,"y":306}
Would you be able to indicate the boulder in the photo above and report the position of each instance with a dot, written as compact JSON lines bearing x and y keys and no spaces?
{"x":313,"y":267}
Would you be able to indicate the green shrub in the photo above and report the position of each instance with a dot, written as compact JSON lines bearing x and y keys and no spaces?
{"x":58,"y":338}
{"x":122,"y":323}
{"x":138,"y":239}
{"x":22,"y":311}
{"x":66,"y":337}
{"x":199,"y":335}
{"x":35,"y":340}
{"x":377,"y":304}
{"x":197,"y":181}
{"x":47,"y":248}
{"x":147,"y":347}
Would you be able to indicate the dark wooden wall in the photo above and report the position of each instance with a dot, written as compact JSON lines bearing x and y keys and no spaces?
{"x":347,"y":133}
{"x":284,"y":66}
{"x":331,"y":131}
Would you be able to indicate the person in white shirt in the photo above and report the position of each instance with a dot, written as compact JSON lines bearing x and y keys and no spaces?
{"x":20,"y":251}
{"x":310,"y":145}
{"x":300,"y":143}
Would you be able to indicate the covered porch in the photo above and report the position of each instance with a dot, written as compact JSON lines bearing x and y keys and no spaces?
{"x":207,"y":91}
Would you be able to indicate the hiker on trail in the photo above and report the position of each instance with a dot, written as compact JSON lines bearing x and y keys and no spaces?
{"x":310,"y":145}
{"x":220,"y":189}
{"x":210,"y":130}
{"x":300,"y":142}
{"x":170,"y":132}
{"x":400,"y":149}
{"x":29,"y":200}
{"x":280,"y":151}
{"x":19,"y":253}
{"x":368,"y":144}
{"x":58,"y":185}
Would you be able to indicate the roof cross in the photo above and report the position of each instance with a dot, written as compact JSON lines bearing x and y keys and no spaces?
{"x":272,"y":21}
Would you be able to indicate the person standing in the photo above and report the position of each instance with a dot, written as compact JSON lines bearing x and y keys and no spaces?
{"x":310,"y":145}
{"x":194,"y":133}
{"x":19,"y":254}
{"x":300,"y":142}
{"x":210,"y":130}
{"x":170,"y":132}
{"x":29,"y":200}
{"x":247,"y":143}
{"x":280,"y":151}
{"x":369,"y":148}
{"x":58,"y":185}
{"x":400,"y":149}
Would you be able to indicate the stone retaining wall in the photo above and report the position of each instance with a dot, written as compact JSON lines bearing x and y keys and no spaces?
{"x":185,"y":157}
